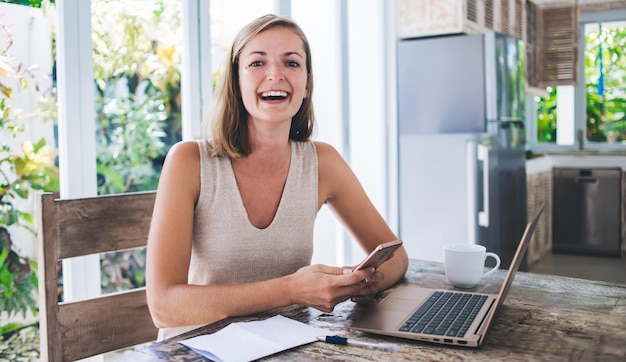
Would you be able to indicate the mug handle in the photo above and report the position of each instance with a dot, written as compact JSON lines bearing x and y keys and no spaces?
{"x":497,"y":258}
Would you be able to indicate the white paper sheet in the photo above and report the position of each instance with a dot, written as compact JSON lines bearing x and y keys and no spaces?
{"x":246,"y":341}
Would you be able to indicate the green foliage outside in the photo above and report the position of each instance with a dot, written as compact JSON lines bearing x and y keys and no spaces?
{"x":606,"y":113}
{"x":137,"y":82}
{"x":137,"y":57}
{"x":32,"y":3}
{"x":130,"y":136}
{"x":136,"y":53}
{"x":546,"y":117}
{"x":21,"y":172}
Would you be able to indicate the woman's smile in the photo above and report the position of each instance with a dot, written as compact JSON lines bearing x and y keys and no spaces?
{"x":274,"y":95}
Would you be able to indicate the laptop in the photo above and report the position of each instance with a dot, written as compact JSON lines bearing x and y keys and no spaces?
{"x":453,"y":317}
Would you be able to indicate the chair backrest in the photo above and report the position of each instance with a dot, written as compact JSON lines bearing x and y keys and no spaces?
{"x":77,"y":227}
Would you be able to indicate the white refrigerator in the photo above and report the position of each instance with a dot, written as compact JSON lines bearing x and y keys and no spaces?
{"x":462,"y":175}
{"x":446,"y":183}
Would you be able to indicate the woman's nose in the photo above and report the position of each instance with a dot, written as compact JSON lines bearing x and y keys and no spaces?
{"x":275,"y":72}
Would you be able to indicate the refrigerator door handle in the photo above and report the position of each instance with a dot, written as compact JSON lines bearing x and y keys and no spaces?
{"x":483,"y":155}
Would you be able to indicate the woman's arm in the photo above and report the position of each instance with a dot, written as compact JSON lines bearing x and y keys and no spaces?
{"x":341,"y":190}
{"x":173,"y":302}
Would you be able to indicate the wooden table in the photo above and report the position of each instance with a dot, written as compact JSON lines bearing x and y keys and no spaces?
{"x":544,"y":317}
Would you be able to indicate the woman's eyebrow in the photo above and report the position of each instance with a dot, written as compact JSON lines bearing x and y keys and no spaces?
{"x":255,"y":52}
{"x":293,"y":53}
{"x":263,"y":53}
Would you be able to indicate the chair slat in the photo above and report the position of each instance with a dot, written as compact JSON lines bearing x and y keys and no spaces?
{"x":105,"y":324}
{"x":78,"y":227}
{"x":111,"y":223}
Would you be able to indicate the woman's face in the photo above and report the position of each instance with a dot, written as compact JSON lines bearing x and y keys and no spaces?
{"x":273,"y":76}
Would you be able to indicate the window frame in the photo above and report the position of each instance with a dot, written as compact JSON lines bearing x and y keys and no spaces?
{"x":77,"y":139}
{"x":581,"y":144}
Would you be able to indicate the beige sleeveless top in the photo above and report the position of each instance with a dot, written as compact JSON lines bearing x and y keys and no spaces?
{"x":227,"y":248}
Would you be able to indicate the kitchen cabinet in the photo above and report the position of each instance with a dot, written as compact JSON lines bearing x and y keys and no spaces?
{"x":422,"y":18}
{"x":539,"y":192}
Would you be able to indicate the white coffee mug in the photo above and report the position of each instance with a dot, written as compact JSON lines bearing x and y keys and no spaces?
{"x":465,"y":264}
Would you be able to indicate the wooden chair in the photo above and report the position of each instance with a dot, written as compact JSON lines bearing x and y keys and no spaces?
{"x":78,"y":227}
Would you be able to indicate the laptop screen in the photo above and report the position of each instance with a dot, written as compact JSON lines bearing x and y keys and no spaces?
{"x":519,"y":255}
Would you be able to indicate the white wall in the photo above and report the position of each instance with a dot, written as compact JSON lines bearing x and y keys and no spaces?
{"x":367,"y":83}
{"x":327,"y":95}
{"x":351,"y":69}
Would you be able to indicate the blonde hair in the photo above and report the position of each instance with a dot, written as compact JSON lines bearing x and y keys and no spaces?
{"x":228,"y":117}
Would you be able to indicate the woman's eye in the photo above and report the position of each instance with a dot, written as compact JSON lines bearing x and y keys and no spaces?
{"x":256,"y":63}
{"x":293,"y":64}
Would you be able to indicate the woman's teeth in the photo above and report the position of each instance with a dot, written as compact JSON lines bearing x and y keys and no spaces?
{"x":273,"y":95}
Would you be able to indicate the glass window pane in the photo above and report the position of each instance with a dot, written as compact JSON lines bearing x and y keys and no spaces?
{"x":605,"y":80}
{"x":136,"y":59}
{"x":546,"y":116}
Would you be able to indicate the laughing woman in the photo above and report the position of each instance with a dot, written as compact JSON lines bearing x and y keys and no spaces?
{"x":232,"y":228}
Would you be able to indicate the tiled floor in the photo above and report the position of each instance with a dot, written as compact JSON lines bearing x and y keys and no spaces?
{"x":609,"y":269}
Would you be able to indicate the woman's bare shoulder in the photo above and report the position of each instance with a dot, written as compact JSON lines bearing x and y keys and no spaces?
{"x":182,"y":165}
{"x":333,"y":171}
{"x":184,"y":149}
{"x":326,"y":152}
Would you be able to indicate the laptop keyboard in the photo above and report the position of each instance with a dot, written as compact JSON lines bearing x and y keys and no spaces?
{"x":445,"y":314}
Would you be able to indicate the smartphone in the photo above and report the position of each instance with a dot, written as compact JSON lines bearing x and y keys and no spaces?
{"x":381,"y":254}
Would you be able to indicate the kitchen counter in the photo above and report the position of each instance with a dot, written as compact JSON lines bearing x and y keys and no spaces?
{"x":575,"y":160}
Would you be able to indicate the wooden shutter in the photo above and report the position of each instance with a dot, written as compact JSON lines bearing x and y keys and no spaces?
{"x":552,"y":51}
{"x":490,"y":22}
{"x":506,"y":16}
{"x":519,"y":20}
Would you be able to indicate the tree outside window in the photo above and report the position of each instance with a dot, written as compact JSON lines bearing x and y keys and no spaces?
{"x":605,"y":75}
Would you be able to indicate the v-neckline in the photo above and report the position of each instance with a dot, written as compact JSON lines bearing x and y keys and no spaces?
{"x":241,"y":206}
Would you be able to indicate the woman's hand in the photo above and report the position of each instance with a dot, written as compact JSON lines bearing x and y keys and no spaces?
{"x":371,"y":288}
{"x":323,"y":287}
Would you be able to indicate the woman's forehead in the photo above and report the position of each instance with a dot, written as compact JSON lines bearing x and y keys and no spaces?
{"x":278,"y":38}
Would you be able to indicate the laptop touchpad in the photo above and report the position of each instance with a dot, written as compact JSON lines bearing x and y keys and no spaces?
{"x":397,"y":305}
